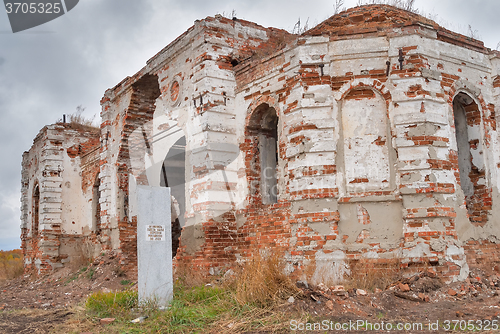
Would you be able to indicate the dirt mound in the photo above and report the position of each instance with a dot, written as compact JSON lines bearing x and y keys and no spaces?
{"x":426,"y":284}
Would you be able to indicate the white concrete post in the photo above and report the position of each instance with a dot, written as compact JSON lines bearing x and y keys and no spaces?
{"x":154,"y":245}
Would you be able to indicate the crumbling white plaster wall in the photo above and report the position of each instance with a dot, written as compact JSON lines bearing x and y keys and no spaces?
{"x":64,"y":208}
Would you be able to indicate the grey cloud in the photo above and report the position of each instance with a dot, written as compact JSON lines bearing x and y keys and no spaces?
{"x":10,"y":227}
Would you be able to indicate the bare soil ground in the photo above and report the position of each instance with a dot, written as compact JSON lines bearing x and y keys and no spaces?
{"x":30,"y":305}
{"x":54,"y":303}
{"x":422,"y":299}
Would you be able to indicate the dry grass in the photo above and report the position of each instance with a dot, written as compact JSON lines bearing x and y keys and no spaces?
{"x":262,"y":281}
{"x":78,"y":121}
{"x":365,"y":275}
{"x":408,"y":5}
{"x":189,"y":276}
{"x":78,"y":323}
{"x":11,"y":264}
{"x":270,"y":320}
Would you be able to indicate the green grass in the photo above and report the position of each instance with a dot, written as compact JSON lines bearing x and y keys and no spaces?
{"x":193,"y":310}
{"x":111,"y":304}
{"x":91,"y":273}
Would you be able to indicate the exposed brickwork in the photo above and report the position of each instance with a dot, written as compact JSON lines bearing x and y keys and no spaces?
{"x":380,"y":20}
{"x":479,"y":204}
{"x":496,"y":82}
{"x":128,"y":246}
{"x":135,"y":129}
{"x":368,"y":19}
{"x":483,"y":254}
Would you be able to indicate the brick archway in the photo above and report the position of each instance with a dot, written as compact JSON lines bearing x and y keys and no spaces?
{"x":364,"y":83}
{"x":470,"y":168}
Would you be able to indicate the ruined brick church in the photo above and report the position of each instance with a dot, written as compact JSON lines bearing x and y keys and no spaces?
{"x":370,"y":138}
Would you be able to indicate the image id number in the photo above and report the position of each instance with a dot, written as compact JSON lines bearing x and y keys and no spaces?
{"x":33,"y":7}
{"x":470,"y":325}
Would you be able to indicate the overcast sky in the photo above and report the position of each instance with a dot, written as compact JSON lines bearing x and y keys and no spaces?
{"x":51,"y":69}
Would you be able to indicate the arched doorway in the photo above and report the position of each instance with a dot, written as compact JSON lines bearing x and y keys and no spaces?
{"x":173,"y":175}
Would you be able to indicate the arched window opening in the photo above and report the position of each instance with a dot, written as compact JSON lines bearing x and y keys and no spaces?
{"x":96,"y":206}
{"x":470,"y":157}
{"x":173,"y":175}
{"x":36,"y":211}
{"x":263,"y":127}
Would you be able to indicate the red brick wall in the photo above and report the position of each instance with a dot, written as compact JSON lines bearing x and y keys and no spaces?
{"x":483,"y":254}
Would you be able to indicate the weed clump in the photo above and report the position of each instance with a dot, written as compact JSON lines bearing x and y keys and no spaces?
{"x":125,"y":282}
{"x":112,"y":304}
{"x":367,"y":276}
{"x":90,"y":273}
{"x":78,"y":121}
{"x":262,"y":281}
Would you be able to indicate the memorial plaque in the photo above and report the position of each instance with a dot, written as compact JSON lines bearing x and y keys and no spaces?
{"x":155,"y":232}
